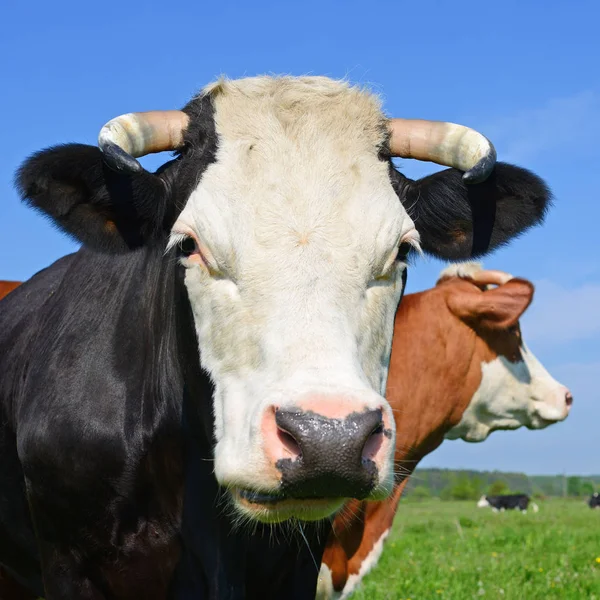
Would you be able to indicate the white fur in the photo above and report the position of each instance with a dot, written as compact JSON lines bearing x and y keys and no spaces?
{"x":511,"y":395}
{"x":325,"y":589}
{"x":483,"y":502}
{"x":300,"y":219}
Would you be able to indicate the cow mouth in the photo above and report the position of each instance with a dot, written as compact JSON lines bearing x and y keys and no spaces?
{"x":260,"y":497}
{"x":540,"y":422}
{"x":274,"y":507}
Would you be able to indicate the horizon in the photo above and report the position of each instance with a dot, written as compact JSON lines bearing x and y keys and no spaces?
{"x":503,"y":472}
{"x":538,"y":102}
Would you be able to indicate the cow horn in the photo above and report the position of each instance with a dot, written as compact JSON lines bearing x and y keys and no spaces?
{"x":124,"y":138}
{"x":490,"y":277}
{"x":446,"y":144}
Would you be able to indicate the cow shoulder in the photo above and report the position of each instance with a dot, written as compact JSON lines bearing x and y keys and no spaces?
{"x":103,"y":379}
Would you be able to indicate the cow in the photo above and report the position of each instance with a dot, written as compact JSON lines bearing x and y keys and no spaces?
{"x":594,"y":501}
{"x":207,"y":372}
{"x":459,"y":368}
{"x":7,"y":286}
{"x":507,"y":502}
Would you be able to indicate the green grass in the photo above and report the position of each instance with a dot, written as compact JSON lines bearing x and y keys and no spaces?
{"x":441,"y":550}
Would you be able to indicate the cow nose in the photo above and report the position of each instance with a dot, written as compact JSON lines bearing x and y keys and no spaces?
{"x":568,"y":399}
{"x":319,"y":456}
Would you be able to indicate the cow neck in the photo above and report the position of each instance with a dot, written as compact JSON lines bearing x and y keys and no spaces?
{"x":428,"y":402}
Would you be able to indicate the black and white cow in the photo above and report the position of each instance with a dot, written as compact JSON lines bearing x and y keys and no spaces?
{"x":594,"y":501}
{"x":507,"y":502}
{"x":215,"y":355}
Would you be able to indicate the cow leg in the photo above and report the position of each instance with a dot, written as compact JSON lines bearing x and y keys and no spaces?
{"x":379,"y":518}
{"x":61,"y":543}
{"x":333,"y":574}
{"x":354,"y":547}
{"x":344,"y":540}
{"x":494,"y":509}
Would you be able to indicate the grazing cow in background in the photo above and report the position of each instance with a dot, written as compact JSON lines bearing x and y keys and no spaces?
{"x":216,"y":353}
{"x":459,"y":369}
{"x":594,"y":501}
{"x":507,"y":502}
{"x":7,"y":286}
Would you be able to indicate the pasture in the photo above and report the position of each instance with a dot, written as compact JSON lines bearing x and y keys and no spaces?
{"x":454,"y":550}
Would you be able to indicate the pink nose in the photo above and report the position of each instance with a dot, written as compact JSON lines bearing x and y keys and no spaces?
{"x":326,"y":446}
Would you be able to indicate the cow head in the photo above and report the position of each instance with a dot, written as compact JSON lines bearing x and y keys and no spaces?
{"x":483,"y":502}
{"x":293,"y":228}
{"x":515,"y":389}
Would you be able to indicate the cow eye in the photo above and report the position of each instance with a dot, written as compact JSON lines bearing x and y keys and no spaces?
{"x":403,"y":251}
{"x":186,"y":246}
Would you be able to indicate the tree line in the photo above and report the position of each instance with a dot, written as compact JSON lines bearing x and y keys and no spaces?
{"x":449,"y":484}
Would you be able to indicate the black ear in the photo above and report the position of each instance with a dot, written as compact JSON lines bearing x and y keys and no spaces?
{"x":458,"y":221}
{"x":105,"y":210}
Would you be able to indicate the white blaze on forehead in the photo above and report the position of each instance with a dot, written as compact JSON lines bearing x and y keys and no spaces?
{"x":297,"y":171}
{"x":300,"y":216}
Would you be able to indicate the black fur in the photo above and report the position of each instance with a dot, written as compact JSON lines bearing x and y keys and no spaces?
{"x":111,"y":211}
{"x":103,"y":209}
{"x":458,"y":221}
{"x":509,"y":502}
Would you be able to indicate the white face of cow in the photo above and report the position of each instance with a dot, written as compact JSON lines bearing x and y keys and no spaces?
{"x":512,"y":395}
{"x":515,"y":389}
{"x":296,"y":282}
{"x":483,"y":502}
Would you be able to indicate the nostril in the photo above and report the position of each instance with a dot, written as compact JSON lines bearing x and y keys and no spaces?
{"x":289,"y":443}
{"x":373,"y":443}
{"x":569,"y":398}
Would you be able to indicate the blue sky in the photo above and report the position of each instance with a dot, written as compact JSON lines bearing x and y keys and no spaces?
{"x":525,"y":74}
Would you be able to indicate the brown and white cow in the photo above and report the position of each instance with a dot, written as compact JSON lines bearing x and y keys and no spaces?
{"x":459,"y":369}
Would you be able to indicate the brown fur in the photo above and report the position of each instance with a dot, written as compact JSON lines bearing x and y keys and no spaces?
{"x":8,"y":286}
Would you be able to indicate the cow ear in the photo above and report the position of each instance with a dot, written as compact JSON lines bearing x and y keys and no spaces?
{"x":457,"y":221}
{"x":105,"y":210}
{"x":496,"y":308}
